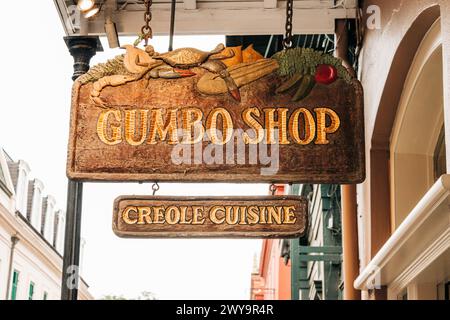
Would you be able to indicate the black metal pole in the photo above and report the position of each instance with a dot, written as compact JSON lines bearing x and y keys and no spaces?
{"x":172,"y":24}
{"x":82,"y":48}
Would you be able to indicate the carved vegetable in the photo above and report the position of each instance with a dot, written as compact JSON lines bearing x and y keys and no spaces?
{"x":326,"y":74}
{"x":241,"y":74}
{"x":290,"y":83}
{"x":251,"y":55}
{"x":306,"y":85}
{"x":236,"y":56}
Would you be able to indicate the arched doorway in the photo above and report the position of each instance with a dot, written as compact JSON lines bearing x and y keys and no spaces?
{"x":416,"y":143}
{"x":409,"y":226}
{"x":380,"y":224}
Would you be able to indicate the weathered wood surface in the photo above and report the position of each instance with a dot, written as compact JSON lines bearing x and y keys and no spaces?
{"x":293,"y":217}
{"x":340,"y":161}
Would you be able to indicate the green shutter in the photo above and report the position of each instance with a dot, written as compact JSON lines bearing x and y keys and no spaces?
{"x":15,"y":283}
{"x":45,"y":295}
{"x":31,"y":291}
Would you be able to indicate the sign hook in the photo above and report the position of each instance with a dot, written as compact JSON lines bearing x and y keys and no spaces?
{"x":273,"y":189}
{"x":155,"y":188}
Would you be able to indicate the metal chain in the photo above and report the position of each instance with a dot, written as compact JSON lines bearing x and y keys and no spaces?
{"x":155,"y":188}
{"x":146,"y":30}
{"x":287,"y":41}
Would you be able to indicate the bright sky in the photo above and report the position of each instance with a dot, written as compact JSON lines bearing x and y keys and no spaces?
{"x":35,"y":89}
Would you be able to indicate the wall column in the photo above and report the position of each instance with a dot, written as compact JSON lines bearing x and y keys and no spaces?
{"x":348,"y":193}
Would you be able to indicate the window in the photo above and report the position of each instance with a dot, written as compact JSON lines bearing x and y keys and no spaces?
{"x":15,"y":284}
{"x":31,"y":291}
{"x":22,"y":192}
{"x":440,"y":158}
{"x":36,"y":211}
{"x":45,"y":297}
{"x":3,"y":184}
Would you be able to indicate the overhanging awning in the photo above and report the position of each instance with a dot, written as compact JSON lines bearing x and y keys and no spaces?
{"x":221,"y":17}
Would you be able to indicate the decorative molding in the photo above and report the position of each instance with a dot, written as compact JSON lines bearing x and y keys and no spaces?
{"x":423,"y":261}
{"x":425,"y":210}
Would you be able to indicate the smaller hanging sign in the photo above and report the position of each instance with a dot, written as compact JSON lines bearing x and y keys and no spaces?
{"x":210,"y":217}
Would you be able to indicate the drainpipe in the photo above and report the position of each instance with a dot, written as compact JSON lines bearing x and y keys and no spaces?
{"x":349,"y":206}
{"x":14,"y":240}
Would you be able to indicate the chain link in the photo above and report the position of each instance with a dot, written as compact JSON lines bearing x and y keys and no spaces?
{"x":287,"y":41}
{"x":146,"y":30}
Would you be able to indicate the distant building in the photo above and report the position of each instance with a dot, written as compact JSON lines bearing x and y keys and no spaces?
{"x":272,"y":279}
{"x":31,"y":237}
{"x":307,"y":268}
{"x":316,"y":258}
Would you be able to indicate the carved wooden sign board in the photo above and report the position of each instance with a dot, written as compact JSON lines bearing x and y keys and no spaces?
{"x":219,"y":116}
{"x":210,"y":217}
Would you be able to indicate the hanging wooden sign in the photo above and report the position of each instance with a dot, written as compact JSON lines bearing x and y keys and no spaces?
{"x":226,"y":115}
{"x":210,"y":217}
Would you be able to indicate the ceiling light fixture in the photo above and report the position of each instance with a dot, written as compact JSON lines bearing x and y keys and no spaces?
{"x":85,"y":5}
{"x":91,"y":12}
{"x":88,"y":8}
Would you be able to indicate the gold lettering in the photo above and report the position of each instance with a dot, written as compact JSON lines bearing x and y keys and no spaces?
{"x":289,"y":215}
{"x":281,"y":124}
{"x":227,"y":126}
{"x":262,"y":215}
{"x":130,"y":126}
{"x":183,"y":218}
{"x":231,"y":216}
{"x":103,"y":124}
{"x":158,"y":215}
{"x":247,"y":117}
{"x":310,"y":127}
{"x":126,"y":215}
{"x":322,"y":129}
{"x":274,"y":214}
{"x":144,"y":214}
{"x":213,"y":215}
{"x":173,"y":215}
{"x":197,"y":215}
{"x":243,"y":215}
{"x":192,"y":125}
{"x":253,"y":215}
{"x":158,"y":128}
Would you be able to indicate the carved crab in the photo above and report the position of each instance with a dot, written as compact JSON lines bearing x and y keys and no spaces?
{"x":186,"y":58}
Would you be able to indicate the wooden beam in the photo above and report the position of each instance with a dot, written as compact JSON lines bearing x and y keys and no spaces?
{"x":270,"y":4}
{"x":190,"y":4}
{"x":227,"y":21}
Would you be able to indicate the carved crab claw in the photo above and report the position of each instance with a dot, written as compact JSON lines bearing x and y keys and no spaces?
{"x":236,"y":94}
{"x":220,"y":68}
{"x":168,"y":72}
{"x":184,"y":72}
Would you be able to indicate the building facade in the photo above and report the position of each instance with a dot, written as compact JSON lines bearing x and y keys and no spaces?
{"x":31,"y":237}
{"x":307,"y":268}
{"x":403,"y":206}
{"x":271,"y":277}
{"x":316,"y":258}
